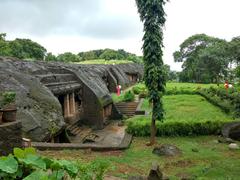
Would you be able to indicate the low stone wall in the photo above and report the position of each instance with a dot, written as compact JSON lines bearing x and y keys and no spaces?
{"x":10,"y":137}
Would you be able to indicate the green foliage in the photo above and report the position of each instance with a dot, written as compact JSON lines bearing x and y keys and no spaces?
{"x":227,"y":101}
{"x":153,"y":16}
{"x":27,"y":165}
{"x":109,"y":54}
{"x":128,"y":96}
{"x":102,"y":61}
{"x":205,"y":59}
{"x":139,"y":88}
{"x":141,"y":127}
{"x":68,"y":57}
{"x":21,"y":48}
{"x":50,"y":57}
{"x":7,"y":98}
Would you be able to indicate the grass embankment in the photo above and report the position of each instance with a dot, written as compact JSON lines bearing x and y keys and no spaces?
{"x":213,"y":161}
{"x":103,"y":61}
{"x":185,"y":115}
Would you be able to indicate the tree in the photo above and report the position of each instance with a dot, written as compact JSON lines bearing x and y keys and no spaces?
{"x":153,"y":16}
{"x":234,"y":49}
{"x":195,"y":54}
{"x":213,"y":62}
{"x":50,"y":57}
{"x":5,"y":50}
{"x":68,"y":57}
{"x":27,"y":49}
{"x":110,"y":54}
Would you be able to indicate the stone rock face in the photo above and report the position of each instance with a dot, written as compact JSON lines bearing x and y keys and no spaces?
{"x":166,"y":150}
{"x":39,"y":109}
{"x":231,"y":130}
{"x":10,"y":137}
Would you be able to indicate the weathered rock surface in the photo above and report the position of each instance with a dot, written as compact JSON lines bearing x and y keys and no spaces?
{"x":166,"y":150}
{"x":38,"y":109}
{"x":10,"y":137}
{"x":231,"y":130}
{"x":155,"y":173}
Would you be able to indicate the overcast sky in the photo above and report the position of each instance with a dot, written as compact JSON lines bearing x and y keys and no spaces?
{"x":81,"y":25}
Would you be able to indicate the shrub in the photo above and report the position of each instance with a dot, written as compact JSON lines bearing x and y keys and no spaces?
{"x":139,"y":88}
{"x":140,"y":126}
{"x":229,"y":102}
{"x":7,"y":98}
{"x":128,"y":96}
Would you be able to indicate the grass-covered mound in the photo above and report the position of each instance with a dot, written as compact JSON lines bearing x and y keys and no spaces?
{"x":103,"y":61}
{"x":185,"y":115}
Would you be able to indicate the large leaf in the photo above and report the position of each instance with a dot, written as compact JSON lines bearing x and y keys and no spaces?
{"x":69,"y":167}
{"x":18,"y":153}
{"x":8,"y":164}
{"x":34,"y":160}
{"x":37,"y":175}
{"x":29,"y":150}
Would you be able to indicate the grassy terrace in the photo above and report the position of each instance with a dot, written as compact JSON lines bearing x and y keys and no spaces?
{"x":189,"y":108}
{"x":103,"y":61}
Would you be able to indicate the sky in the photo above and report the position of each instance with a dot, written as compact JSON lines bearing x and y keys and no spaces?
{"x":82,"y":25}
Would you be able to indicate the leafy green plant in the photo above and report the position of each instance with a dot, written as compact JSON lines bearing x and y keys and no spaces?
{"x":6,"y":98}
{"x":27,"y":164}
{"x":128,"y":96}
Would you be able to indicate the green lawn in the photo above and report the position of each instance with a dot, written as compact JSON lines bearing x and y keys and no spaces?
{"x":189,"y":108}
{"x":103,"y":61}
{"x":214,"y":161}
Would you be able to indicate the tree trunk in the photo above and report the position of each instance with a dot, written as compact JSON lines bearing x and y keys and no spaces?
{"x":153,"y":132}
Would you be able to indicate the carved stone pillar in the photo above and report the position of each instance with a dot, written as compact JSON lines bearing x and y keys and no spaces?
{"x":72,"y":104}
{"x":66,"y":106}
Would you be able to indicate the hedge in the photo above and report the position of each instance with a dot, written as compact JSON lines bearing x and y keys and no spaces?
{"x":141,"y":127}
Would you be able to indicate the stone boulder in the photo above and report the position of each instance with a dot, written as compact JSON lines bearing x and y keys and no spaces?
{"x":233,"y":146}
{"x":37,"y":108}
{"x":166,"y":150}
{"x":231,"y":130}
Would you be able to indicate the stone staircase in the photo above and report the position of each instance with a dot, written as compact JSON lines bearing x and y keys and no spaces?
{"x":127,"y":108}
{"x":74,"y":129}
{"x":58,"y":80}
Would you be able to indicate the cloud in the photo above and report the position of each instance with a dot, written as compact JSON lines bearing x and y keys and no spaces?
{"x":89,"y":18}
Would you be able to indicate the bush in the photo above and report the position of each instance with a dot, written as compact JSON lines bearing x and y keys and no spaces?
{"x":128,"y":96}
{"x":228,"y":102}
{"x":26,"y":164}
{"x":139,"y":88}
{"x":140,"y":126}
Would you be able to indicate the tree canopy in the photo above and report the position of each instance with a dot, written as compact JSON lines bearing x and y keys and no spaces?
{"x":205,"y":58}
{"x":21,"y":48}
